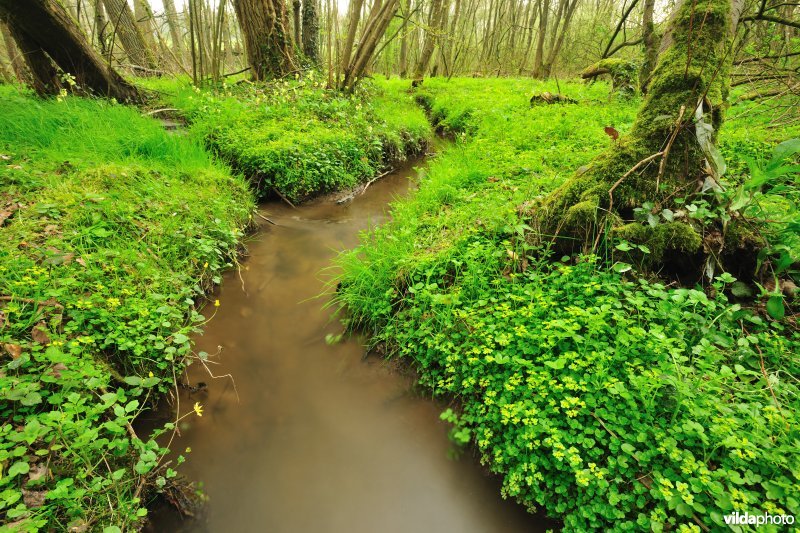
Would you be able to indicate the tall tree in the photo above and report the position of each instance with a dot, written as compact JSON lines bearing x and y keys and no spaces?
{"x":14,"y":55}
{"x":265,"y":26}
{"x":49,"y":36}
{"x":432,"y":34}
{"x":175,"y":30}
{"x":669,"y":150}
{"x":311,"y":30}
{"x":131,"y":38}
{"x":380,"y":15}
{"x":650,"y":43}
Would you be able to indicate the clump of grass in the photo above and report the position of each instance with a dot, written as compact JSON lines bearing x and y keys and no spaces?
{"x":113,"y":229}
{"x":609,"y":401}
{"x":297,"y":137}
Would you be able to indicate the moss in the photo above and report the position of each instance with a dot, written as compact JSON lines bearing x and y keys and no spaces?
{"x":624,"y":73}
{"x":661,"y":239}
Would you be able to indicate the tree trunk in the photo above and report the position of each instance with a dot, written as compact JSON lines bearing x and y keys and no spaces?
{"x":311,"y":30}
{"x":404,"y":39}
{"x":15,"y":57}
{"x":378,"y":21}
{"x":435,"y":20}
{"x":132,"y":40}
{"x":43,"y":28}
{"x":538,"y":60}
{"x":175,"y":31}
{"x":296,"y":6}
{"x":265,"y":26}
{"x":555,"y":48}
{"x":144,"y":21}
{"x":650,"y":45}
{"x":352,"y":28}
{"x":101,"y":27}
{"x":661,"y":156}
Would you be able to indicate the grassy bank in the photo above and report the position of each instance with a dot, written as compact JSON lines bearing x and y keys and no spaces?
{"x":609,"y":401}
{"x":298,"y":138}
{"x":112,"y":229}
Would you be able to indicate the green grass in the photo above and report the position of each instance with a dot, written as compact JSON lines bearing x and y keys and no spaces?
{"x":298,"y":138}
{"x":116,"y":229}
{"x":609,"y":401}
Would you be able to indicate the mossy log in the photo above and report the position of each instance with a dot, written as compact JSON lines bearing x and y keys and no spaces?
{"x":551,"y":98}
{"x":661,"y":158}
{"x":624,"y":73}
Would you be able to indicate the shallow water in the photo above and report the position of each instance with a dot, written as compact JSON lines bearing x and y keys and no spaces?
{"x":319,"y":438}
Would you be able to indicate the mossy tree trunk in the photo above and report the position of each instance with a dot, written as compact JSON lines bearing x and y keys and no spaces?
{"x":311,"y":30}
{"x":49,"y":37}
{"x":265,"y":26}
{"x":661,"y":158}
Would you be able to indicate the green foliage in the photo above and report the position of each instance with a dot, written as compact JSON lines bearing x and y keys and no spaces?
{"x":299,"y":138}
{"x":611,"y":402}
{"x":113,"y":230}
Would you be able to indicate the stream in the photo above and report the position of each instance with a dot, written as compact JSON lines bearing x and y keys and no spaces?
{"x":312,"y":437}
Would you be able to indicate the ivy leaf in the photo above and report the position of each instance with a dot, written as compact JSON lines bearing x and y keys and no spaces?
{"x":32,"y":398}
{"x":628,"y":448}
{"x":17,"y":468}
{"x":775,"y":307}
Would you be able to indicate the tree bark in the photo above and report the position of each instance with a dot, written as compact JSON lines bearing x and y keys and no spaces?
{"x":650,"y":45}
{"x":265,"y":26}
{"x":688,"y":91}
{"x":298,"y":39}
{"x":15,"y":56}
{"x":435,"y":21}
{"x":311,"y":30}
{"x":132,"y":40}
{"x":44,"y":30}
{"x":538,"y":60}
{"x":175,"y":30}
{"x":378,"y":21}
{"x":404,"y":39}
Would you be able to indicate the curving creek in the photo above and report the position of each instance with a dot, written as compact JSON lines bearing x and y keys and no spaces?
{"x":312,"y":437}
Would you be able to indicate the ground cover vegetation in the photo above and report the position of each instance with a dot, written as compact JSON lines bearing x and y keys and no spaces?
{"x":112,"y":231}
{"x":298,"y":139}
{"x":602,"y":278}
{"x":605,"y":396}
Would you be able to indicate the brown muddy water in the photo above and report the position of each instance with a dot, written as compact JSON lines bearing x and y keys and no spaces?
{"x":316,"y":437}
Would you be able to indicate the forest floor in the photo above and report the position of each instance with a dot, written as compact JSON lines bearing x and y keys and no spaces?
{"x":599,"y":396}
{"x":114,"y":230}
{"x":610,"y":399}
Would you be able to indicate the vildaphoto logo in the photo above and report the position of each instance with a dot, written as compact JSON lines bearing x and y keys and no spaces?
{"x":741,"y":519}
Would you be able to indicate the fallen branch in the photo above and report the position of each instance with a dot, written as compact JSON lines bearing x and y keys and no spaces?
{"x":279,"y":193}
{"x":373,"y":180}
{"x":46,"y":303}
{"x":162,"y":110}
{"x":265,"y":218}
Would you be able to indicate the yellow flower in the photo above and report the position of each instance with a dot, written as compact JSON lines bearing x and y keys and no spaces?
{"x":216,"y":303}
{"x":198,"y":409}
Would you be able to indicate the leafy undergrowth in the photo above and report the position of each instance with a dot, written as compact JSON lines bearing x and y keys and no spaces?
{"x":609,"y":401}
{"x":112,"y":228}
{"x":297,"y":137}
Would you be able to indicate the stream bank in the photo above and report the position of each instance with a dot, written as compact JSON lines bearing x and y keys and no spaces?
{"x":311,"y":436}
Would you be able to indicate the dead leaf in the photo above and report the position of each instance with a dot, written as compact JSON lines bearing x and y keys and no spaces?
{"x":33,"y":498}
{"x":611,"y":132}
{"x":492,"y":179}
{"x":56,"y":370}
{"x":5,"y":215}
{"x":37,"y":472}
{"x":77,"y":526}
{"x":14,"y":350}
{"x":4,"y":157}
{"x":80,"y":261}
{"x":39,"y":333}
